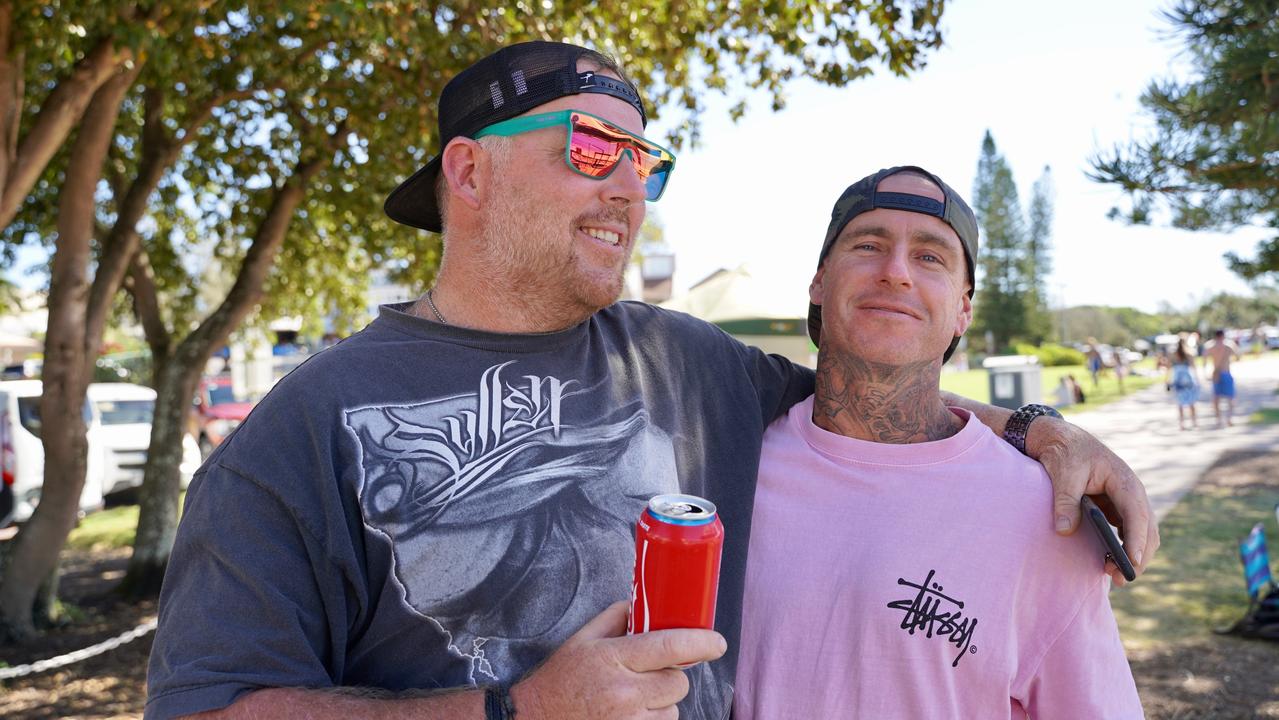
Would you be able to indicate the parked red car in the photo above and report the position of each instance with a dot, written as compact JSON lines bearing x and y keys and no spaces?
{"x":217,"y":413}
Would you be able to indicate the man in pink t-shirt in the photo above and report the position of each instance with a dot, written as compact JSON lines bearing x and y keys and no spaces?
{"x":899,"y":565}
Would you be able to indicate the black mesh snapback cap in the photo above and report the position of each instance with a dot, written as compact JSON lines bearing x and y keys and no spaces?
{"x":864,"y":196}
{"x":508,"y":83}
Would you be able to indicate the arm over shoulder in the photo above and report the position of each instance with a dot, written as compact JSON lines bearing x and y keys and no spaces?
{"x":779,"y":383}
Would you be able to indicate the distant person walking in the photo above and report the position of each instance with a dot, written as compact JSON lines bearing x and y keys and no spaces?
{"x":1184,"y":381}
{"x":1221,"y":351}
{"x":1093,"y":356}
{"x":1162,"y":362}
{"x":1121,"y":368}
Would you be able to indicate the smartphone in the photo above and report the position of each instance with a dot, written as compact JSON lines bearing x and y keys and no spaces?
{"x":1114,"y":550}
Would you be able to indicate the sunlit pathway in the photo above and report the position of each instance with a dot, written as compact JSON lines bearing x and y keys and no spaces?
{"x":1142,"y":429}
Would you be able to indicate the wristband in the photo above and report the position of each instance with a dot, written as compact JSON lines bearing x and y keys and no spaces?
{"x":1018,"y":425}
{"x":498,"y":704}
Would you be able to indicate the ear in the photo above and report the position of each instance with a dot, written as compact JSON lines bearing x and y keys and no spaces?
{"x":465,"y":166}
{"x":965,"y":316}
{"x":815,"y":291}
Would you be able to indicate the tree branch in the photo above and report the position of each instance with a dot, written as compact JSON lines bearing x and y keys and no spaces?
{"x":247,"y":290}
{"x":12,"y":65}
{"x":146,"y":305}
{"x":159,"y":153}
{"x":121,"y":243}
{"x":59,"y":113}
{"x":202,"y":113}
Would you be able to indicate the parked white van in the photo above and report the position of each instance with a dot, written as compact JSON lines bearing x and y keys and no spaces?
{"x":123,"y":412}
{"x":118,"y":416}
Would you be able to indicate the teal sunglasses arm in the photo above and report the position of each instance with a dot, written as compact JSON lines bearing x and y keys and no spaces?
{"x":518,"y":125}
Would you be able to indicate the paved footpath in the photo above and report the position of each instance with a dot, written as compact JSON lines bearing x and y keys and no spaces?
{"x":1142,"y":429}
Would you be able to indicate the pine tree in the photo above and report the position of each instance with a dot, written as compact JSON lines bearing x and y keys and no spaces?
{"x":1211,"y":157}
{"x":1002,"y":283}
{"x":1039,"y":258}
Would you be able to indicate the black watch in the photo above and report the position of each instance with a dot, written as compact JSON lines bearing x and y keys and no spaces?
{"x":498,"y":704}
{"x":1019,"y":424}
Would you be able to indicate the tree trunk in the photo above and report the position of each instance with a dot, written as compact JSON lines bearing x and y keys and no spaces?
{"x":46,"y":612}
{"x":66,"y":370}
{"x":175,"y":384}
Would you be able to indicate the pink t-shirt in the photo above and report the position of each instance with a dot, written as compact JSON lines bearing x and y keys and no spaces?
{"x":920,"y":581}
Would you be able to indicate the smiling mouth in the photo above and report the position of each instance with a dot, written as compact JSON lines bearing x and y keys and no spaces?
{"x":608,"y":237}
{"x":890,"y":311}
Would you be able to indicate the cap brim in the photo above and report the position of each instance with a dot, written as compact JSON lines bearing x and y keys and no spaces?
{"x":413,"y":203}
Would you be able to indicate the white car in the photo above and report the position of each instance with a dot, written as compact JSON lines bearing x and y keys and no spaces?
{"x":118,"y":417}
{"x":123,"y":412}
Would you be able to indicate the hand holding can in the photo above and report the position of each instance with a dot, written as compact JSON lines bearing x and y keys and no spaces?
{"x":602,"y":674}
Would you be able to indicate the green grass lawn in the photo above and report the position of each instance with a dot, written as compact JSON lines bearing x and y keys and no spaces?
{"x":975,"y":384}
{"x":1196,"y":580}
{"x":1265,"y":416}
{"x":106,"y":529}
{"x":111,"y":528}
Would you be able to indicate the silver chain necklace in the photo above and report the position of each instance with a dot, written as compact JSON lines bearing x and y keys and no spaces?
{"x":431,"y":302}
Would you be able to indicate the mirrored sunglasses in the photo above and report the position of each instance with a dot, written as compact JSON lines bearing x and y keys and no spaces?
{"x":595,"y":146}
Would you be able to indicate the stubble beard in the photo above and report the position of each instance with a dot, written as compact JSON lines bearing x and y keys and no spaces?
{"x":532,"y":251}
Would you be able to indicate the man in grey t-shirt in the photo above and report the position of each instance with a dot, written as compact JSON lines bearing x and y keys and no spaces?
{"x":434,"y":517}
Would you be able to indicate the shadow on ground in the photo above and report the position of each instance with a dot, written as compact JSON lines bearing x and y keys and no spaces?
{"x":1196,"y":583}
{"x":109,"y":686}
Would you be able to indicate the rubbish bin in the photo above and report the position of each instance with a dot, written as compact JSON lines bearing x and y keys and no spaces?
{"x":1014,"y":380}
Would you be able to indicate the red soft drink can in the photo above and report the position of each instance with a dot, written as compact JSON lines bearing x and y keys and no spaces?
{"x":678,"y":541}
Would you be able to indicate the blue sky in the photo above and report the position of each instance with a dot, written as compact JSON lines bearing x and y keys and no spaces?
{"x":1052,"y":81}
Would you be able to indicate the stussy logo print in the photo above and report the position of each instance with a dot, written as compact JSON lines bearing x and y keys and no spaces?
{"x":937,"y":614}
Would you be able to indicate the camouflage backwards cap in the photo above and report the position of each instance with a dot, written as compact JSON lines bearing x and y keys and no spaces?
{"x":864,"y":196}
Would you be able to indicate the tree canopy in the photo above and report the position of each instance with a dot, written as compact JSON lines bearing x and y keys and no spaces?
{"x":242,"y":150}
{"x":239,"y":89}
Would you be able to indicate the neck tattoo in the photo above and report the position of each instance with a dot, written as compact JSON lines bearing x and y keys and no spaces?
{"x":431,"y":303}
{"x":880,"y":402}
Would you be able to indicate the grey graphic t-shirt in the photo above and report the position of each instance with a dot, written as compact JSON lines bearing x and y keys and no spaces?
{"x":425,"y":506}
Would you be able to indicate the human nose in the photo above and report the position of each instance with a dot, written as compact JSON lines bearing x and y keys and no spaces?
{"x":895,"y":268}
{"x":625,"y":183}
